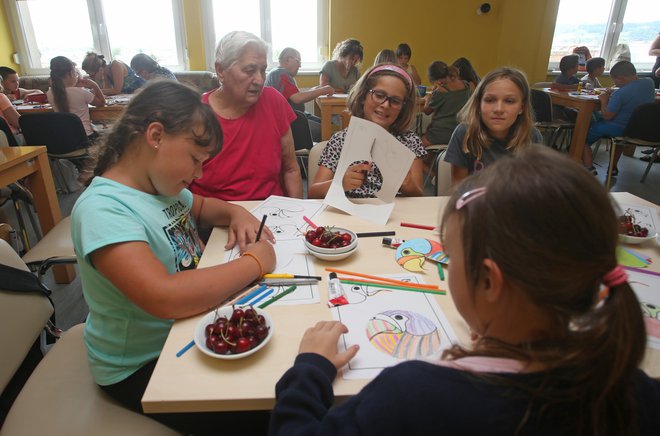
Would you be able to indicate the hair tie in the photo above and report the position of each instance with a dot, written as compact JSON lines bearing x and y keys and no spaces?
{"x":615,"y":277}
{"x":396,"y":69}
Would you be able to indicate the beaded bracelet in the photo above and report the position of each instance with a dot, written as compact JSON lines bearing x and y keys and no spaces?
{"x":256,"y":259}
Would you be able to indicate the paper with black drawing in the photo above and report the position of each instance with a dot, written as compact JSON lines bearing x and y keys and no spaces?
{"x":367,"y":141}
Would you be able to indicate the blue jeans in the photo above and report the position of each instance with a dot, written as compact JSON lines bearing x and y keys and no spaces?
{"x":603,"y":129}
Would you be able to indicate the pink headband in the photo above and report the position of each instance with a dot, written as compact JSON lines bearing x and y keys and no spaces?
{"x":470,"y":196}
{"x":396,"y":69}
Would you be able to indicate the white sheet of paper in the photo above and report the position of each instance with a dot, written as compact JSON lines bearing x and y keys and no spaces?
{"x":367,"y":141}
{"x":418,"y":315}
{"x":647,"y":289}
{"x":285,"y":220}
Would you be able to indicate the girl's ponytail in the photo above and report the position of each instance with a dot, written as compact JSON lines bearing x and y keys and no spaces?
{"x":60,"y":67}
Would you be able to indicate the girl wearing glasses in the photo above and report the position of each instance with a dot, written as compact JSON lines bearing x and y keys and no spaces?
{"x":385,"y":95}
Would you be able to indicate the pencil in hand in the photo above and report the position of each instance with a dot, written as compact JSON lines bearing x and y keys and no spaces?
{"x":261,"y":227}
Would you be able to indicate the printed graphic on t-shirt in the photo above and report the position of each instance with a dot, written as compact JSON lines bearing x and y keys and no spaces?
{"x":182,"y":234}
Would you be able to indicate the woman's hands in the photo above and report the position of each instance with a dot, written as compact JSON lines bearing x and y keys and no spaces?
{"x":322,"y":339}
{"x":355,"y":176}
{"x":243,"y":228}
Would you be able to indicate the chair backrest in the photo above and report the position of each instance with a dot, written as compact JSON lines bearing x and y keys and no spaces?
{"x":302,"y":136}
{"x":3,"y":139}
{"x":8,"y":133}
{"x":541,"y":105}
{"x":313,"y":161}
{"x":60,"y":132}
{"x":443,"y":175}
{"x":542,"y":85}
{"x":23,"y":316}
{"x":644,"y":123}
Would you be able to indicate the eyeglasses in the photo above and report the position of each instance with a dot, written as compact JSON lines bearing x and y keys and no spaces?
{"x":380,"y":97}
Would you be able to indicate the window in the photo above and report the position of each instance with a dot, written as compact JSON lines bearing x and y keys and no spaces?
{"x":301,"y":24}
{"x":604,"y":27}
{"x":116,"y":28}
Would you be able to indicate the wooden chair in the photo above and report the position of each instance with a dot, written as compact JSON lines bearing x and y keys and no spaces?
{"x":59,"y":397}
{"x":4,"y":127}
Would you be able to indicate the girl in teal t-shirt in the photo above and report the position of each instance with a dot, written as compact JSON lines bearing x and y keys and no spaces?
{"x":134,"y":231}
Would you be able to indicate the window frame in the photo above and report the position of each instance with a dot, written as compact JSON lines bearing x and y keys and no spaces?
{"x":613,"y":28}
{"x":322,"y":33}
{"x":23,"y":36}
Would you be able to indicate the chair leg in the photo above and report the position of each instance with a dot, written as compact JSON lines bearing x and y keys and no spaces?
{"x":609,"y":168}
{"x":654,"y":155}
{"x":35,"y":226}
{"x":21,"y":225}
{"x":596,"y":147}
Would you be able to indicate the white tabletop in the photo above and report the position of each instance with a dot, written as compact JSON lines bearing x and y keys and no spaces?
{"x":196,"y":382}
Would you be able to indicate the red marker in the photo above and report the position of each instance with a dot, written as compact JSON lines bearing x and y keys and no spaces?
{"x":417,"y":226}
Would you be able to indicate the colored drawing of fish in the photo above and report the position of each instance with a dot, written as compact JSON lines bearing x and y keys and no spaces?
{"x":403,"y":334}
{"x":412,"y":254}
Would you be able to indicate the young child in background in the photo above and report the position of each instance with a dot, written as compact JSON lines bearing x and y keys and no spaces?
{"x":71,"y":93}
{"x":385,"y":95}
{"x":496,"y":121}
{"x":595,"y":69}
{"x":403,"y":55}
{"x":385,"y":56}
{"x":467,"y":72}
{"x":559,"y":334}
{"x":9,"y":113}
{"x":448,"y":96}
{"x":617,"y":108}
{"x":567,"y":80}
{"x":11,"y":85}
{"x":146,"y":67}
{"x":134,"y":230}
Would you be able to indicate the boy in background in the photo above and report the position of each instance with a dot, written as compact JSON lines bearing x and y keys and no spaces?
{"x":567,"y":80}
{"x":595,"y":68}
{"x":617,"y":108}
{"x":10,"y":83}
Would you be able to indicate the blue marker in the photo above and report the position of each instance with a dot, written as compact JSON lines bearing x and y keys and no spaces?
{"x":262,"y":296}
{"x":186,"y":348}
{"x":252,"y":294}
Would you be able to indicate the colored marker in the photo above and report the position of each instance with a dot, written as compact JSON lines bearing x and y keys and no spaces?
{"x":262,"y":296}
{"x":277,"y":297}
{"x":261,"y":227}
{"x":251,"y":295}
{"x":290,"y":276}
{"x":186,"y":348}
{"x":417,"y":226}
{"x":370,"y":234}
{"x":308,"y":221}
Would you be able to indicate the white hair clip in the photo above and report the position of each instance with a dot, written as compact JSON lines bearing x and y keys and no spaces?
{"x":469,"y":196}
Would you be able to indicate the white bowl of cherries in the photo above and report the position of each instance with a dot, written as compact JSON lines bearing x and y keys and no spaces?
{"x":331,"y":243}
{"x":233,"y":332}
{"x":632,"y":233}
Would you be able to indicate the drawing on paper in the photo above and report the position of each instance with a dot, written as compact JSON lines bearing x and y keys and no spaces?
{"x":391,"y":326}
{"x":651,"y":314}
{"x":413,"y":253}
{"x":403,"y":334}
{"x":285,"y":217}
{"x":646,"y":288}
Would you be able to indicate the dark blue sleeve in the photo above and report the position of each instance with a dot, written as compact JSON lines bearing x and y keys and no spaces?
{"x":304,"y":395}
{"x":455,"y":154}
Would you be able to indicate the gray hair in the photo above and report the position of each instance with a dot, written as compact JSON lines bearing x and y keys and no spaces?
{"x":232,"y":45}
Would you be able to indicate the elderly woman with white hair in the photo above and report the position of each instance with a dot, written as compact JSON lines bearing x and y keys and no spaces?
{"x":258,"y":157}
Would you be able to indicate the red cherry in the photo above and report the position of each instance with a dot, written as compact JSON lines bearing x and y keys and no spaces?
{"x":261,"y":331}
{"x":237,"y":315}
{"x":242,"y":345}
{"x":347,"y":237}
{"x":208,"y":330}
{"x":221,"y":347}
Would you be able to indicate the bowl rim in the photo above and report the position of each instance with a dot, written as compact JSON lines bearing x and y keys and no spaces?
{"x":210,"y":317}
{"x":333,"y":256}
{"x":637,"y":239}
{"x":349,"y":247}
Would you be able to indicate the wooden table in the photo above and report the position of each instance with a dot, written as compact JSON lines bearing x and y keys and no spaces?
{"x":585,"y":105}
{"x":196,"y":382}
{"x":327,"y":106}
{"x":32,"y":162}
{"x":114,"y":108}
